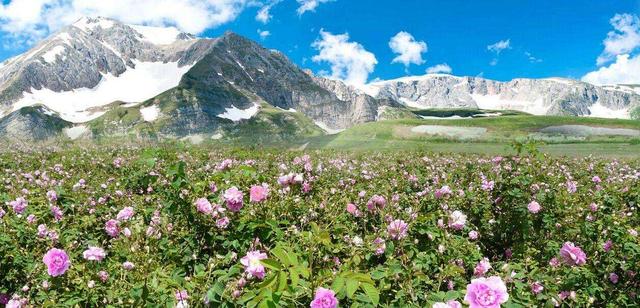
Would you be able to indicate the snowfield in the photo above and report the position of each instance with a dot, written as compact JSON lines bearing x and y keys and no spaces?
{"x":138,"y":84}
{"x":235,"y":114}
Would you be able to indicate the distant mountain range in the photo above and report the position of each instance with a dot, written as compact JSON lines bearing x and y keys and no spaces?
{"x":99,"y":77}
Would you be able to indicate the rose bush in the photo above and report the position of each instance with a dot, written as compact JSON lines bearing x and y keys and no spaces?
{"x":195,"y":226}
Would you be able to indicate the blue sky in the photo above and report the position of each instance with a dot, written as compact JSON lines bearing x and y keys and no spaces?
{"x":564,"y":37}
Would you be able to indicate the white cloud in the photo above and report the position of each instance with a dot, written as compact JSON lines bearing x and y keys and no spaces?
{"x":500,"y":46}
{"x":29,"y":20}
{"x":624,"y":39}
{"x":264,"y":13}
{"x":532,"y":58}
{"x":409,"y":50}
{"x":349,"y":60}
{"x":625,"y":70}
{"x":443,"y":68}
{"x":263,"y":33}
{"x":309,"y":5}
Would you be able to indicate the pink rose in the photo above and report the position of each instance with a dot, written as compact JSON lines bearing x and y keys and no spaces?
{"x":125,"y":214}
{"x":204,"y":206}
{"x":324,"y":298}
{"x":572,"y":255}
{"x":94,"y":254}
{"x":112,"y":227}
{"x":486,"y":292}
{"x":258,"y":193}
{"x":233,"y":197}
{"x":482,"y":267}
{"x":57,"y":262}
{"x":457,"y":220}
{"x":449,"y":304}
{"x":397,"y":229}
{"x":252,"y":265}
{"x":534,"y":207}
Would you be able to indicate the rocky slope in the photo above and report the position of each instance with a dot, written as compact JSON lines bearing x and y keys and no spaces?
{"x":553,"y":96}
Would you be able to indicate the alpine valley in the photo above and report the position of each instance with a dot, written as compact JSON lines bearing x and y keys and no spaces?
{"x":99,"y":77}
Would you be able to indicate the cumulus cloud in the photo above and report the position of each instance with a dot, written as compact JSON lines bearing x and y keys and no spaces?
{"x":625,"y":70}
{"x":309,"y":5}
{"x":263,"y":33}
{"x":443,"y":68}
{"x":623,"y":39}
{"x":409,"y":50}
{"x":349,"y":60}
{"x":264,"y":13}
{"x":500,"y":46}
{"x":619,"y":61}
{"x":29,"y":20}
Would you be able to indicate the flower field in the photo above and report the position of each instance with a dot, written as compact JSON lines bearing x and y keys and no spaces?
{"x":197,"y":226}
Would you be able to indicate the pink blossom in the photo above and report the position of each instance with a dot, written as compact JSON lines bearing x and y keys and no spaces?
{"x":222,"y":223}
{"x":572,"y":255}
{"x":252,"y":265}
{"x":125,"y":214}
{"x":324,"y":298}
{"x":182,"y":295}
{"x":379,"y":245}
{"x":457,"y":220}
{"x":52,"y":196}
{"x":57,"y":262}
{"x":607,"y":245}
{"x":94,"y":254}
{"x":112,"y":227}
{"x":442,"y":192}
{"x":486,"y":292}
{"x":204,"y":206}
{"x":596,"y":179}
{"x":397,"y":229}
{"x":128,"y":265}
{"x":57,"y":213}
{"x":233,"y":197}
{"x":258,"y":193}
{"x":534,"y":207}
{"x":473,"y":235}
{"x":352,"y":209}
{"x":482,"y":267}
{"x":536,"y":287}
{"x":376,"y":202}
{"x":449,"y":304}
{"x":572,"y":187}
{"x":613,"y":277}
{"x":104,"y":276}
{"x":19,"y":205}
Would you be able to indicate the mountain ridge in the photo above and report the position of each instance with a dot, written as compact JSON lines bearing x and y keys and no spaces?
{"x":171,"y":83}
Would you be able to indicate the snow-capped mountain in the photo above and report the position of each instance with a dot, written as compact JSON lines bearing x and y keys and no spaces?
{"x":100,"y":77}
{"x":552,"y":96}
{"x":95,"y":62}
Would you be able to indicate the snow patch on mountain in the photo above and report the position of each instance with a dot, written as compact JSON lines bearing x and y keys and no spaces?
{"x":157,"y":35}
{"x":50,"y":56}
{"x":599,"y":111}
{"x":495,"y":102}
{"x":150,"y":114}
{"x":89,"y":24}
{"x":146,"y":80}
{"x":75,"y":132}
{"x":235,"y":114}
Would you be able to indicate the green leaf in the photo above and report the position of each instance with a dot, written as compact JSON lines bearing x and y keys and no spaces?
{"x":352,"y":286}
{"x":271,"y":264}
{"x":338,"y":284}
{"x":371,"y":292}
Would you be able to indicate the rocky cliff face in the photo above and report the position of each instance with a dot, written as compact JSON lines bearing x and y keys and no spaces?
{"x":31,"y":123}
{"x":554,"y":96}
